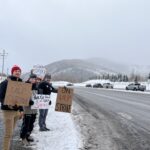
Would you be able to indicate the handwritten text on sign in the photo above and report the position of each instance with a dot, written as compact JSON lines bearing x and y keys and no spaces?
{"x":40,"y":71}
{"x":40,"y":101}
{"x":64,"y":100}
{"x":18,"y":93}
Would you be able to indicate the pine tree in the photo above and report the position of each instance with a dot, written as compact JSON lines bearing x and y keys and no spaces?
{"x":149,"y":76}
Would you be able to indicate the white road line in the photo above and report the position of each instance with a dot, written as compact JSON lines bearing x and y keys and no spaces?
{"x":120,"y":90}
{"x":124,"y":115}
{"x":118,"y":99}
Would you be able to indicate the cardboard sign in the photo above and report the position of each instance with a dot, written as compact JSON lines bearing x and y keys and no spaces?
{"x":64,"y":100}
{"x":40,"y":101}
{"x":18,"y":93}
{"x":39,"y":70}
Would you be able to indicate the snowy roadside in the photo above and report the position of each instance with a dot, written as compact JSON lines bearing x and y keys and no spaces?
{"x":63,"y":134}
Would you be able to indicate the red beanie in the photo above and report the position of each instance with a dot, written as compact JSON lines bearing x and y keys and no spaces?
{"x":15,"y":67}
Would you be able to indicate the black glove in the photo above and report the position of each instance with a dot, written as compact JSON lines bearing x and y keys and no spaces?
{"x":31,"y":102}
{"x":50,"y":102}
{"x":65,"y":87}
{"x":15,"y":106}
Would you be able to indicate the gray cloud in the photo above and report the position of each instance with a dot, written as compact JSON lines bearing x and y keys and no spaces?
{"x":40,"y":32}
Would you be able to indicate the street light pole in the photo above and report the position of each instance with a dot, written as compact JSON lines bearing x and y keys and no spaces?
{"x":4,"y":54}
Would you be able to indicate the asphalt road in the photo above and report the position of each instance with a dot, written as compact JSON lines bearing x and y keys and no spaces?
{"x":122,"y":118}
{"x":108,"y":120}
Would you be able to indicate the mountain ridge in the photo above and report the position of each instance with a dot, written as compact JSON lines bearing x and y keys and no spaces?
{"x":79,"y":70}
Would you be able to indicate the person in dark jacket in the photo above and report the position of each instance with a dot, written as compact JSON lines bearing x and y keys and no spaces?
{"x":29,"y":115}
{"x":10,"y":113}
{"x":45,"y":88}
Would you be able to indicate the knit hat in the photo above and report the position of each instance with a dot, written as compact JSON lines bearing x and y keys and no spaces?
{"x":47,"y":76}
{"x":33,"y":76}
{"x":15,"y":67}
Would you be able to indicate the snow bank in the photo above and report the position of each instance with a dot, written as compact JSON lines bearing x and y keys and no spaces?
{"x":63,"y":135}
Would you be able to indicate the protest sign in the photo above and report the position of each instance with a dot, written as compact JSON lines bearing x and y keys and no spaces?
{"x":64,"y":99}
{"x":39,"y":70}
{"x":40,"y":101}
{"x":18,"y":93}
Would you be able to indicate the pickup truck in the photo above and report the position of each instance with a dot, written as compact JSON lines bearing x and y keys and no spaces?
{"x":136,"y":87}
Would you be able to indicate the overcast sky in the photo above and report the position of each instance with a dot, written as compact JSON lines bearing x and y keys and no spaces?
{"x":44,"y":31}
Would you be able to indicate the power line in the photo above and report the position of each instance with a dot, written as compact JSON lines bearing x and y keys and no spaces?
{"x":3,"y":55}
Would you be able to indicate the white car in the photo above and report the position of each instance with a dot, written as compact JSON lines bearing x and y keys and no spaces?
{"x":136,"y":87}
{"x":108,"y":85}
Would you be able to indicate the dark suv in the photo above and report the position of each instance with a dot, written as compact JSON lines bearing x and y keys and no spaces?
{"x":88,"y":85}
{"x":97,"y":85}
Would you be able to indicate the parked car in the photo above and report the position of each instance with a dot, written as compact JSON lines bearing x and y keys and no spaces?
{"x":136,"y":87}
{"x":108,"y":85}
{"x":70,"y":84}
{"x":88,"y":85}
{"x":97,"y":85}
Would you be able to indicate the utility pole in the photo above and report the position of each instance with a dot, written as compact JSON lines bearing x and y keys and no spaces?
{"x":7,"y":71}
{"x":3,"y":55}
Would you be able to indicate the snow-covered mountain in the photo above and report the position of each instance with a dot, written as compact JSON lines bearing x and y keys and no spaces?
{"x":121,"y":67}
{"x":115,"y":66}
{"x":140,"y":69}
{"x":79,"y":70}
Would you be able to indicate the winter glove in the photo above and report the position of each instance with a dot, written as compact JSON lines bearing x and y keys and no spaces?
{"x":15,"y":106}
{"x":50,"y":102}
{"x":65,"y":87}
{"x":31,"y":102}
